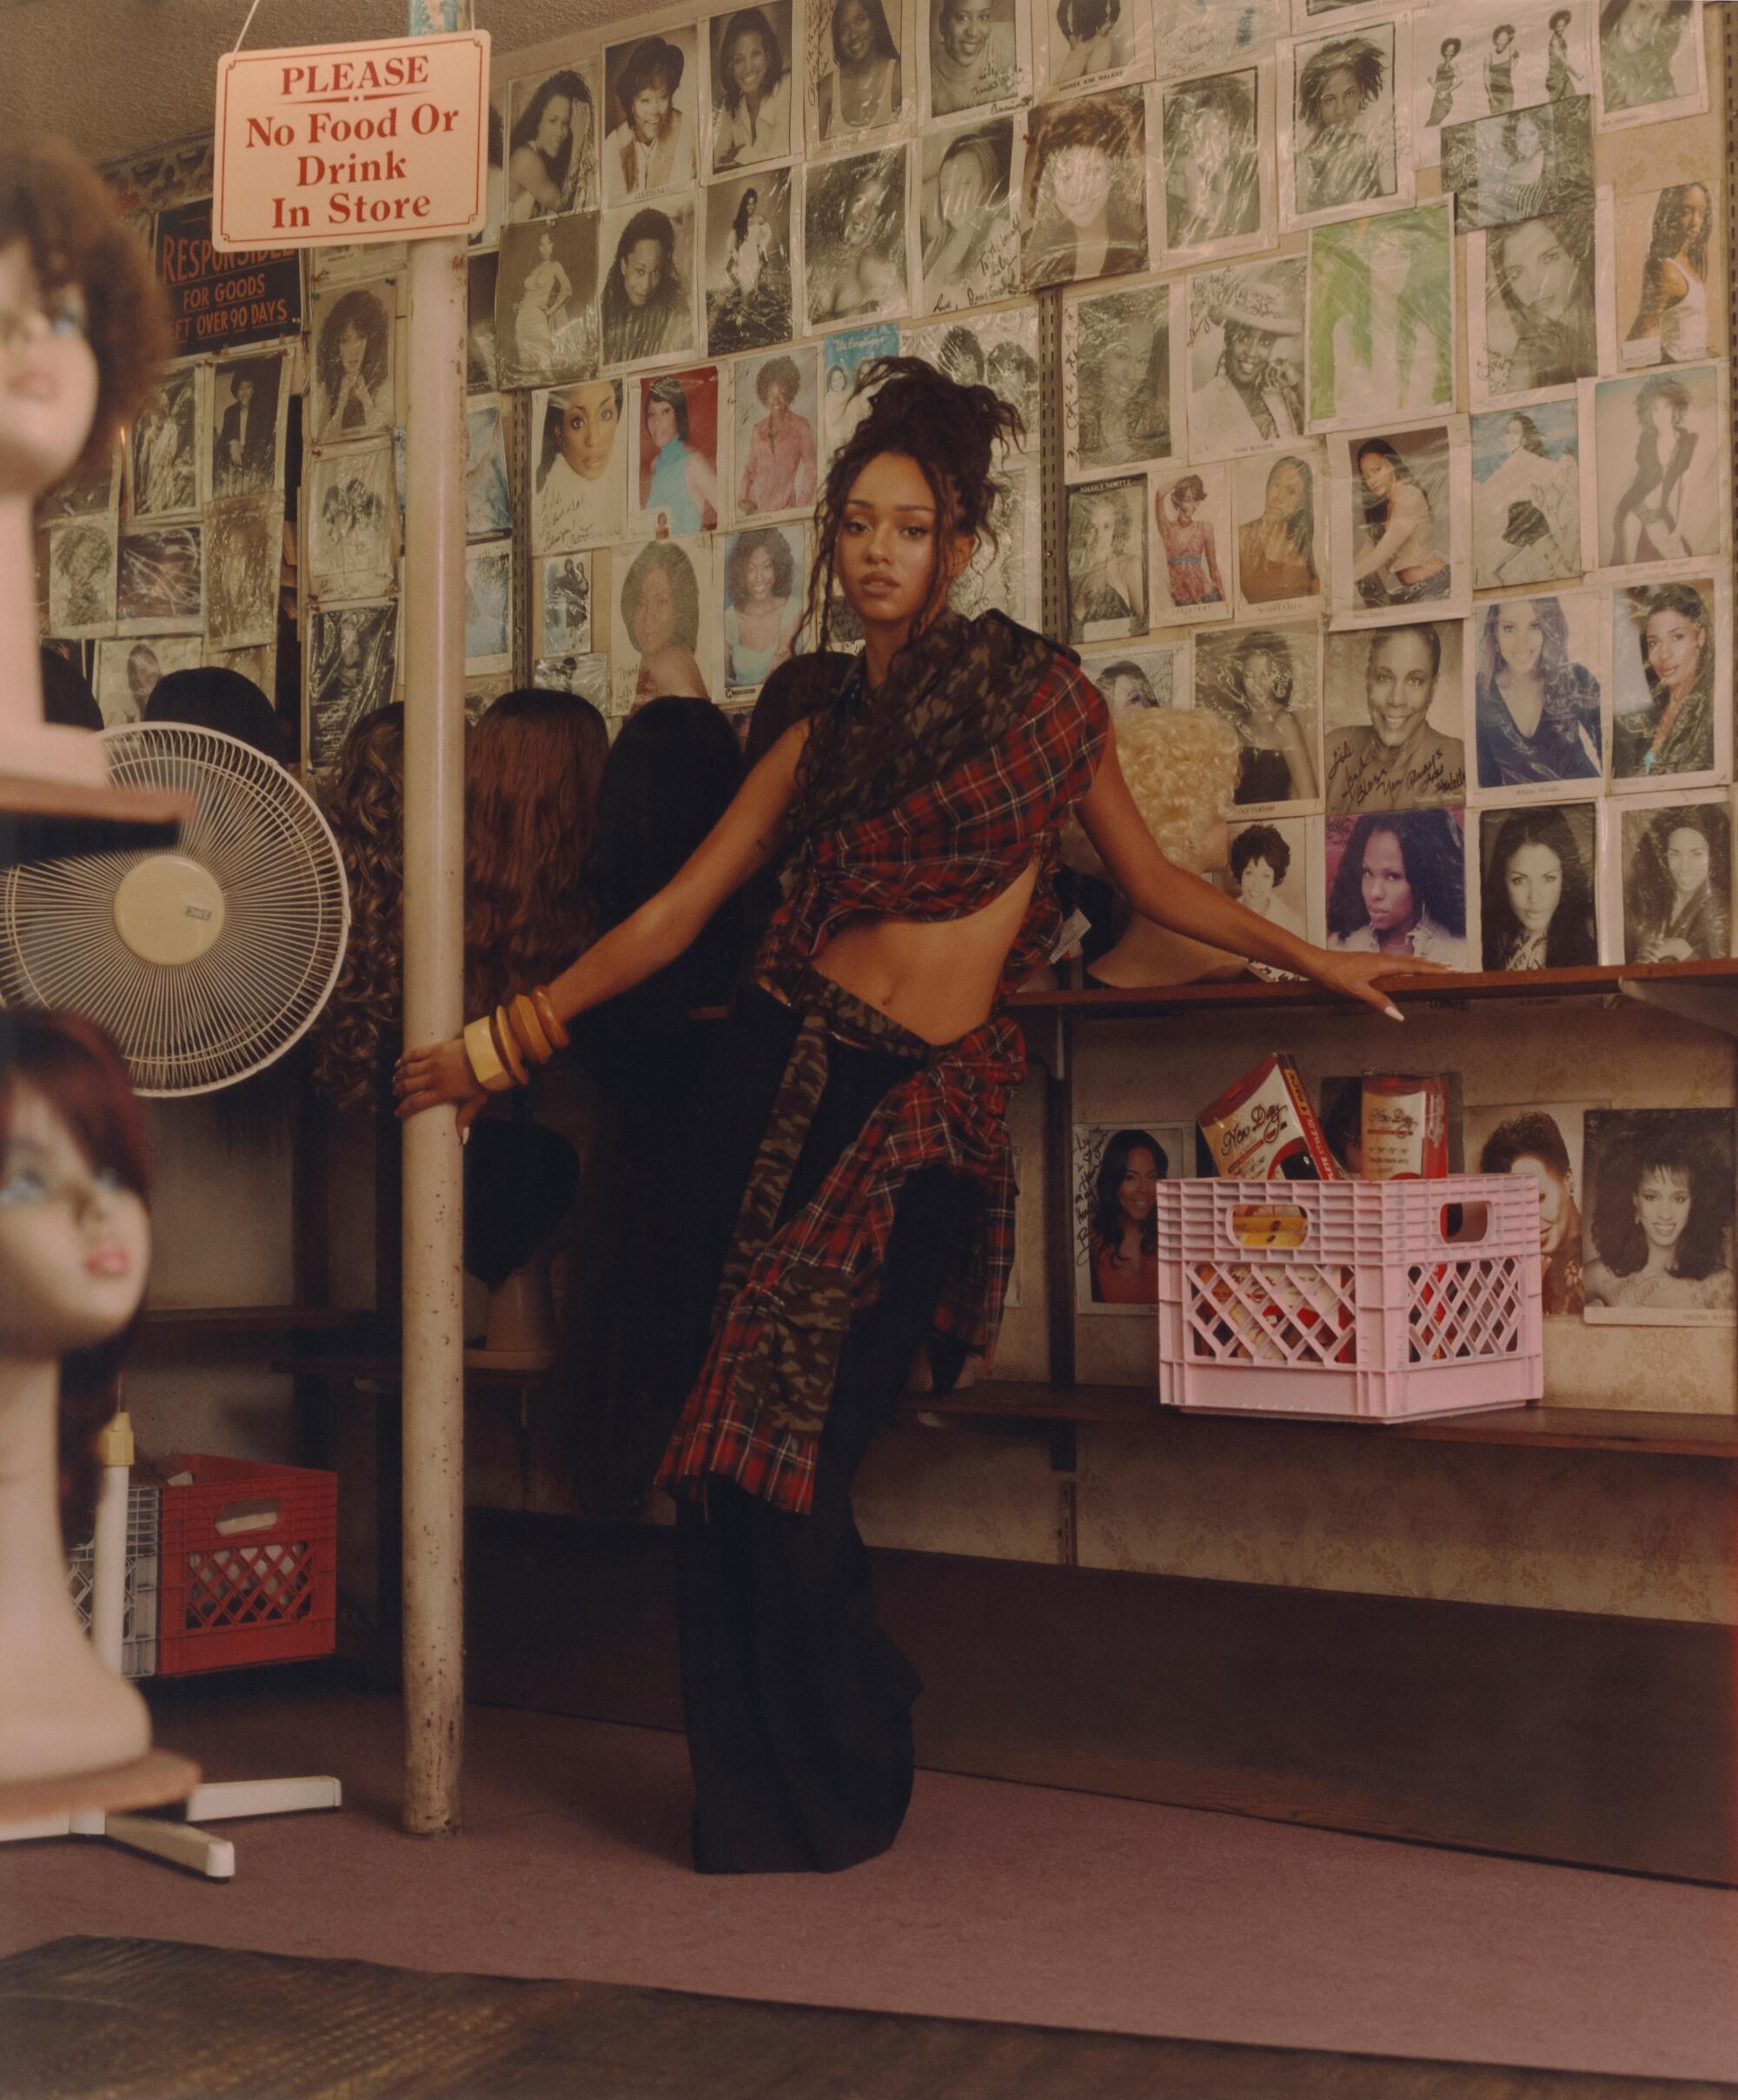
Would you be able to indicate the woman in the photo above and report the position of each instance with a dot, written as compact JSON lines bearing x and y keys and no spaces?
{"x":541,"y":319}
{"x":1106,"y":590}
{"x":970,"y":253}
{"x":646,"y":306}
{"x":660,"y":613}
{"x":355,"y":365}
{"x":1122,"y":1233}
{"x":1539,"y":280}
{"x":1085,"y":206}
{"x":1537,"y":712}
{"x":1400,"y":889}
{"x":1212,"y":169}
{"x":1097,"y":38}
{"x":680,"y":483}
{"x":1445,"y":84}
{"x":1537,"y":906}
{"x":921,"y":803}
{"x":578,"y":499}
{"x":1530,"y":507}
{"x":779,"y":471}
{"x":551,"y":165}
{"x":1671,"y":316}
{"x":650,"y":150}
{"x":1677,"y":899}
{"x":1274,"y":764}
{"x":750,"y":237}
{"x":1661,"y":1225}
{"x":1674,"y":732}
{"x":862,"y":91}
{"x":1277,"y":550}
{"x":753,"y":123}
{"x":971,"y":56}
{"x":1398,"y":563}
{"x":1191,"y":559}
{"x":1660,"y":516}
{"x":1638,"y":41}
{"x":760,"y":620}
{"x":1260,"y":860}
{"x":1561,"y":77}
{"x":1499,"y":70}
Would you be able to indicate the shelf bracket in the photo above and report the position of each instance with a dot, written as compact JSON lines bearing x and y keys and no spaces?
{"x":1709,"y":1005}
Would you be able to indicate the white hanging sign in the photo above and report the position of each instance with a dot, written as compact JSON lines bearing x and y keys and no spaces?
{"x":322,"y":144}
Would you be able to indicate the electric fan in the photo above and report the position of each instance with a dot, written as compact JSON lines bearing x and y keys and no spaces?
{"x":204,"y":962}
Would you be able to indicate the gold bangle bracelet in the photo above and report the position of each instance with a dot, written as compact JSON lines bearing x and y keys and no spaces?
{"x":508,"y":1043}
{"x":490,"y":1073}
{"x":553,"y":1026}
{"x":532,"y":1040}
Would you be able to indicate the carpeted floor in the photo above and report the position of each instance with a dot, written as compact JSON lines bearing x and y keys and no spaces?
{"x":135,"y":2019}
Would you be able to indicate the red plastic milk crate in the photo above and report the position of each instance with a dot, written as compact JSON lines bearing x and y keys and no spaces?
{"x":249,"y":1565}
{"x":1368,"y":1310}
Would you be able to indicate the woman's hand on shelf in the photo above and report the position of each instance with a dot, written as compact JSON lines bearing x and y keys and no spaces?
{"x":1361,"y":976}
{"x":439,"y":1072}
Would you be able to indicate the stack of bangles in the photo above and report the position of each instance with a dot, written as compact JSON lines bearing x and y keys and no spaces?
{"x":521,"y":1032}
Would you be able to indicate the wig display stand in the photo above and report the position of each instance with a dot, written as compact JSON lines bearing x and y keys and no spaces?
{"x":111,"y":1804}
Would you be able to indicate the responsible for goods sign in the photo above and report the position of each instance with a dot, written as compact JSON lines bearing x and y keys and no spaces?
{"x":323,"y":143}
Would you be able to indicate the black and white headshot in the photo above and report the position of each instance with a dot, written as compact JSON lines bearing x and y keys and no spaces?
{"x":1538,"y":721}
{"x":1086,"y":189}
{"x":751,"y":51}
{"x":1212,"y":164}
{"x":355,"y":350}
{"x":648,"y":306}
{"x":1538,"y":898}
{"x":1656,"y":1225}
{"x":245,"y":393}
{"x":1525,"y":495}
{"x":1279,"y":500}
{"x":546,"y":293}
{"x":351,"y":509}
{"x":1341,"y":143}
{"x":1659,"y":466}
{"x":1396,"y":884}
{"x":974,"y":60}
{"x":1649,"y":60}
{"x":1246,"y":357}
{"x":970,"y":246}
{"x":481,"y":272}
{"x":244,"y":553}
{"x":1268,"y":870}
{"x":1667,"y":671}
{"x":858,"y":66}
{"x":854,"y":259}
{"x":1107,"y":559}
{"x":351,"y":666}
{"x":163,"y":447}
{"x":127,"y":670}
{"x":1090,"y":44}
{"x":162,"y":577}
{"x":649,"y":88}
{"x":1262,"y":681}
{"x":552,"y":161}
{"x":1529,"y":164}
{"x":1141,"y":675}
{"x":748,"y":289}
{"x":1118,"y":400}
{"x":1532,"y":320}
{"x":1677,"y":882}
{"x":82,"y":577}
{"x":1399,"y":492}
{"x":1395,"y":711}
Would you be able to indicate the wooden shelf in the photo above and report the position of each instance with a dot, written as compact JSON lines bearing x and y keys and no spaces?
{"x":171,"y":1326}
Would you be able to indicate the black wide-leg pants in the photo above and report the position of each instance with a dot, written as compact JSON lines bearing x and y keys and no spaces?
{"x":797,"y":1705}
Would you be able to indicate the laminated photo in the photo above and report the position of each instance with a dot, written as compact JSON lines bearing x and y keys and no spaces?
{"x":855,"y":238}
{"x":1381,"y":317}
{"x":546,"y":300}
{"x":1279,"y":503}
{"x":1400,"y":530}
{"x":487,"y":236}
{"x":257,"y":664}
{"x":163,"y":448}
{"x":1668,"y":276}
{"x":1265,"y":681}
{"x":351,"y":510}
{"x":968,"y":241}
{"x":345,"y":262}
{"x":862,"y":73}
{"x":651,"y":101}
{"x":749,"y":280}
{"x":244,"y":556}
{"x":481,"y":276}
{"x":1525,"y":495}
{"x":1004,"y":575}
{"x":1191,"y":545}
{"x":1530,"y":164}
{"x":579,"y":466}
{"x":1201,"y":36}
{"x":973,"y":55}
{"x":1657,"y":1226}
{"x":843,"y":359}
{"x":1540,"y":313}
{"x":1543,"y":1141}
{"x":1673,"y":861}
{"x":564,"y":619}
{"x":1122,"y":389}
{"x":1116,"y":1170}
{"x":1081,"y":45}
{"x":1247,"y":364}
{"x":552,"y":150}
{"x":162,"y":579}
{"x":355,"y":343}
{"x":1344,"y":130}
{"x":1649,"y":62}
{"x":1539,"y":695}
{"x":1138,"y":675}
{"x":1396,"y":884}
{"x":588,"y":675}
{"x":1395,"y":711}
{"x":762,"y":575}
{"x":776,"y":405}
{"x":659,"y":642}
{"x":997,"y":350}
{"x":1274,"y":869}
{"x":82,"y":577}
{"x":674,"y":477}
{"x":1107,"y":559}
{"x":127,"y":670}
{"x":489,"y":606}
{"x":1501,"y":59}
{"x":91,"y":489}
{"x":648,"y":303}
{"x":1659,"y":492}
{"x":489,"y":502}
{"x":248,"y":405}
{"x":1538,"y":888}
{"x":1217,"y":135}
{"x":352,"y":665}
{"x":1671,"y":682}
{"x":1085,"y":206}
{"x":753,"y":80}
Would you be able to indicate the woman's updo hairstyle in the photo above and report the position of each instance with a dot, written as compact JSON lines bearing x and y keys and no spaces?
{"x":951,"y":431}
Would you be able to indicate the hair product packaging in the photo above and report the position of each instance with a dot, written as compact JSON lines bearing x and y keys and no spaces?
{"x":1265,"y":1127}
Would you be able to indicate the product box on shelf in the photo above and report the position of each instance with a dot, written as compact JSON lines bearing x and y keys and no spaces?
{"x":139,"y":1623}
{"x":250,"y":1564}
{"x":1349,"y":1299}
{"x":1265,"y":1126}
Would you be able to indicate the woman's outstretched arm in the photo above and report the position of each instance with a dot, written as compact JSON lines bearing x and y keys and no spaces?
{"x":741,"y":844}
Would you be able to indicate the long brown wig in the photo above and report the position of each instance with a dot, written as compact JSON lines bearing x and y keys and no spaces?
{"x":364,"y":803}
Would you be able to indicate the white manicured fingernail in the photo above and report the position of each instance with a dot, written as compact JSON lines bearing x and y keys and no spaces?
{"x":1394,"y":1013}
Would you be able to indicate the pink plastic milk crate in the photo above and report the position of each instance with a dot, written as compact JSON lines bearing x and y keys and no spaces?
{"x":1375,"y":1314}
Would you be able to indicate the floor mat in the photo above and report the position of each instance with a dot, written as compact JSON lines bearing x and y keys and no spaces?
{"x":87,"y":2019}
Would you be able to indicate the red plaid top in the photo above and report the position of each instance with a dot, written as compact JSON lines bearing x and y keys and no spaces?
{"x":949,"y":848}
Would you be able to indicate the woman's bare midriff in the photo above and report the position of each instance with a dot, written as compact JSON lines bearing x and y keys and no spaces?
{"x":936,"y":978}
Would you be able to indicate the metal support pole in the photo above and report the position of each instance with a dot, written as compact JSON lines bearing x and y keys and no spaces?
{"x":433,"y":632}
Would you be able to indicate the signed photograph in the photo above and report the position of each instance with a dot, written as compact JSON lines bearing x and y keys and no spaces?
{"x":546,"y":300}
{"x":1399,"y":530}
{"x":355,"y":360}
{"x":1265,"y":682}
{"x":1539,"y":309}
{"x":1656,"y":1224}
{"x":579,"y":470}
{"x":675,"y":471}
{"x":1543,"y":1141}
{"x":1344,"y":130}
{"x":659,"y":641}
{"x":748,"y":278}
{"x":1116,"y":1168}
{"x":127,"y":670}
{"x":1538,"y":887}
{"x":762,"y":573}
{"x":1122,"y":389}
{"x":1538,"y":696}
{"x":1659,"y":491}
{"x":1279,"y":500}
{"x":1107,"y":559}
{"x":1217,"y":165}
{"x":1247,"y":366}
{"x":1668,"y":275}
{"x":82,"y":577}
{"x":1086,"y":189}
{"x":1396,"y":886}
{"x":162,"y":579}
{"x":1671,"y":682}
{"x":351,"y":511}
{"x":968,"y":240}
{"x":1137,"y":675}
{"x":1674,"y":859}
{"x":1191,"y":545}
{"x":551,"y":152}
{"x":1509,"y":58}
{"x":164,"y":447}
{"x":974,"y":53}
{"x":860,"y":78}
{"x":1531,"y":164}
{"x":1525,"y":495}
{"x":246,"y":425}
{"x":1649,"y":62}
{"x":856,"y":266}
{"x":1382,"y":316}
{"x":648,"y":305}
{"x":1395,"y":711}
{"x":244,"y":553}
{"x":776,"y":407}
{"x":650,"y":89}
{"x":351,"y":668}
{"x":751,"y":50}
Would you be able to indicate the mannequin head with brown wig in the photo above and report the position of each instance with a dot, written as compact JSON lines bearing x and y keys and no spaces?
{"x":364,"y":804}
{"x":532,"y":771}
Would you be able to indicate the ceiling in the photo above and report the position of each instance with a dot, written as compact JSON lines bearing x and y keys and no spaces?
{"x":117,"y":76}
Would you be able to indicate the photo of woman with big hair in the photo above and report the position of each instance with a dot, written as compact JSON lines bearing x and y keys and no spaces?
{"x":551,"y":153}
{"x":1677,"y":885}
{"x":577,"y":486}
{"x":1638,"y":44}
{"x":1665,"y":513}
{"x":761,"y":611}
{"x":751,"y":86}
{"x":1085,"y":190}
{"x":1561,"y":76}
{"x":353,"y":362}
{"x":679,"y":487}
{"x":1445,"y":82}
{"x":1537,"y":907}
{"x":652,"y":149}
{"x":1674,"y":732}
{"x":1526,"y":510}
{"x":1658,"y":1236}
{"x":1249,"y":679}
{"x":862,"y":89}
{"x":1541,"y":329}
{"x":1191,"y":555}
{"x":1122,"y":1230}
{"x":850,"y":1176}
{"x":661,"y":615}
{"x":1277,"y":550}
{"x":970,"y":246}
{"x":1095,"y":39}
{"x":1398,"y":560}
{"x":1213,"y":162}
{"x":1671,"y":314}
{"x":648,"y":309}
{"x":1537,"y":713}
{"x":1400,"y":889}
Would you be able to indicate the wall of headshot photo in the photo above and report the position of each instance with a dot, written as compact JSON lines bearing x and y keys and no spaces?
{"x":1394,"y":718}
{"x":1539,"y":882}
{"x":1673,"y":861}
